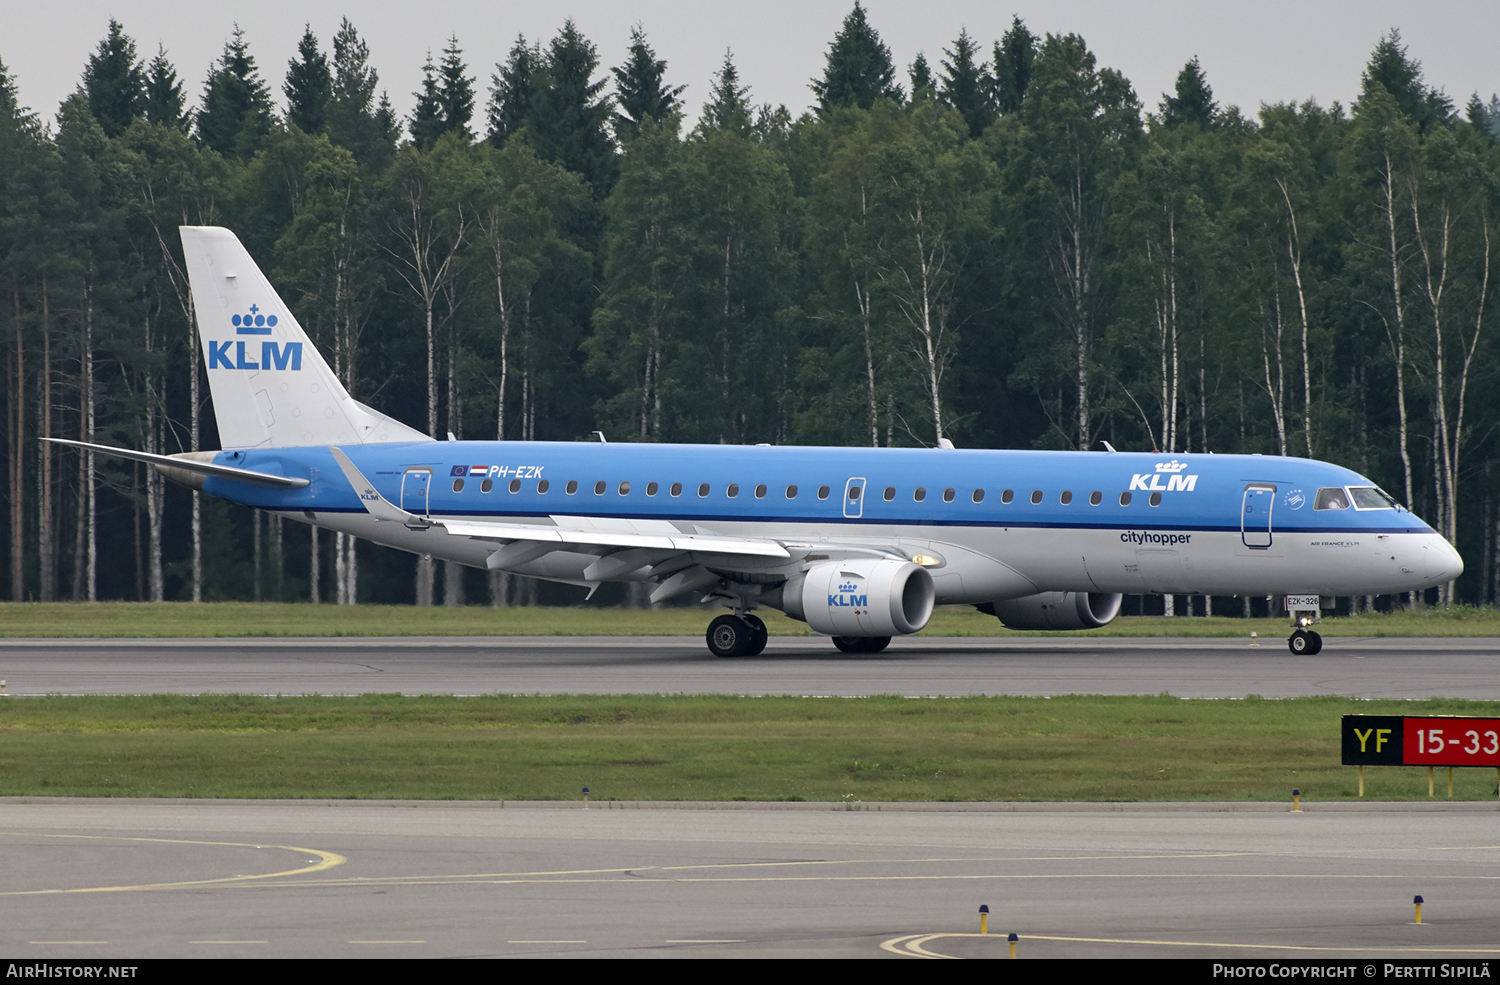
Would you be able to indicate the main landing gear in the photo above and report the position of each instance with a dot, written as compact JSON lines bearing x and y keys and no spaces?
{"x":737,"y":636}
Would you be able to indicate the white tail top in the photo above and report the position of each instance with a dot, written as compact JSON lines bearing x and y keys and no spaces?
{"x":271,"y":387}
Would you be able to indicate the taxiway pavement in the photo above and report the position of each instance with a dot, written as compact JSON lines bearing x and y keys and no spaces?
{"x":118,"y":879}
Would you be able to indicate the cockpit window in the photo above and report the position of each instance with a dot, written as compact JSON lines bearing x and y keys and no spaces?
{"x":1331,"y":498}
{"x":1371,"y":498}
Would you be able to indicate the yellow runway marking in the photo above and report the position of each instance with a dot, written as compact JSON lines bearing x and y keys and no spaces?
{"x":913,"y":944}
{"x":326,"y":860}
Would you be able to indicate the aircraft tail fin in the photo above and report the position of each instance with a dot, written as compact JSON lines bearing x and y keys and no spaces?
{"x":271,"y":387}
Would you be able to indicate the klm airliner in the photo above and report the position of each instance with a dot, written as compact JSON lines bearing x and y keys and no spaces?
{"x":859,"y":543}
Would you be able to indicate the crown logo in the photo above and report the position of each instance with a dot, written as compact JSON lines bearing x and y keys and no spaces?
{"x":247,"y":324}
{"x":1173,"y":466}
{"x":848,"y":586}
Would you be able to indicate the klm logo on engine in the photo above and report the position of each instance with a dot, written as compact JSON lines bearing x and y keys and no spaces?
{"x":847,"y":600}
{"x":287,"y":356}
{"x":1176,"y":481}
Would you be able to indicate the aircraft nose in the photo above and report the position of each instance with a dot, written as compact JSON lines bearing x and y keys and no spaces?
{"x":1443,"y":562}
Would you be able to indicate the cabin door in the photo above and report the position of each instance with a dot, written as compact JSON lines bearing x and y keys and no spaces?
{"x":1255,"y":515}
{"x":416,"y":483}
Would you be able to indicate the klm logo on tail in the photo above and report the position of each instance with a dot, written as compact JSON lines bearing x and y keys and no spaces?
{"x":272,"y":356}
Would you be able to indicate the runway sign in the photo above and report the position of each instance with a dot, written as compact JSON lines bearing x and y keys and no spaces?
{"x":1394,"y":740}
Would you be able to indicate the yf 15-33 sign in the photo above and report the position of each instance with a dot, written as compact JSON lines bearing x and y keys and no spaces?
{"x":1391,"y":740}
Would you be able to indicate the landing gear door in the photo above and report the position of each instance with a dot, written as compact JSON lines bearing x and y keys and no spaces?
{"x":416,"y":483}
{"x":854,"y":498}
{"x":1255,"y":515}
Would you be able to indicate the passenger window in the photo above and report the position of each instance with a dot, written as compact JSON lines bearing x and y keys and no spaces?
{"x":676,"y":489}
{"x":760,"y":491}
{"x":1124,"y":499}
{"x":651,"y":488}
{"x":624,"y":489}
{"x":979,"y":495}
{"x":1036,"y":497}
{"x":571,"y":487}
{"x":733,"y":490}
{"x":1095,"y":498}
{"x":1066,"y":498}
{"x":1007,"y":496}
{"x":822,"y":492}
{"x":1333,"y":498}
{"x":918,"y":494}
{"x":1156,"y":499}
{"x":791,"y":492}
{"x":948,"y":495}
{"x":599,"y":488}
{"x":515,"y":485}
{"x":854,"y":493}
{"x":487,"y":485}
{"x":889,"y":494}
{"x":458,"y":485}
{"x":541,"y":486}
{"x":702,"y":490}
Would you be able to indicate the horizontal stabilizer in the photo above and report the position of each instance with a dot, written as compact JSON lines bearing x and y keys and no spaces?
{"x":190,"y":465}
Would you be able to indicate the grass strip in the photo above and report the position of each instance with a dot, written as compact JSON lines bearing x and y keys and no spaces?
{"x":36,"y":620}
{"x":706,"y":747}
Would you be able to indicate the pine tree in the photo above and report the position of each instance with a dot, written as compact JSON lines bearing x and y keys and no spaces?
{"x":355,"y":121}
{"x":859,"y":69}
{"x":456,"y":91}
{"x":114,"y":82}
{"x":967,"y":86}
{"x":426,"y":124}
{"x":1485,"y":116}
{"x":639,"y":88}
{"x":572,"y":114}
{"x":164,"y":102}
{"x":1014,"y":55}
{"x":514,"y":91}
{"x":921,"y":77}
{"x":1194,"y":102}
{"x":1391,"y":69}
{"x":728,"y":107}
{"x":236,"y":111}
{"x":308,"y":87}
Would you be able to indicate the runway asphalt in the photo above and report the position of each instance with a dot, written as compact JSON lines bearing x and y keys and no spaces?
{"x":121,"y":879}
{"x":1210,"y":668}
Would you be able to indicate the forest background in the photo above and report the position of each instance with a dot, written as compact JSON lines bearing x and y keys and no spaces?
{"x":1006,"y":249}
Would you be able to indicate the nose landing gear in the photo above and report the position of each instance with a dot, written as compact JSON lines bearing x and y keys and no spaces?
{"x":1304,"y":641}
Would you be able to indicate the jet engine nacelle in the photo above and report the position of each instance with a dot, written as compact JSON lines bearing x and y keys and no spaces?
{"x":865,"y":597}
{"x":1058,"y":610}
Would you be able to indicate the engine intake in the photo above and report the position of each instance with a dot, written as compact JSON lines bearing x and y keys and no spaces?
{"x":1058,"y":610}
{"x":864,"y":597}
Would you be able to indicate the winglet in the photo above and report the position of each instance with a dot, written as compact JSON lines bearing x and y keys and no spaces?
{"x":375,"y":504}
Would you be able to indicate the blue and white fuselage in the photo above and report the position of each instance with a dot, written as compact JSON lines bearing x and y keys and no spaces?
{"x":995,"y":524}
